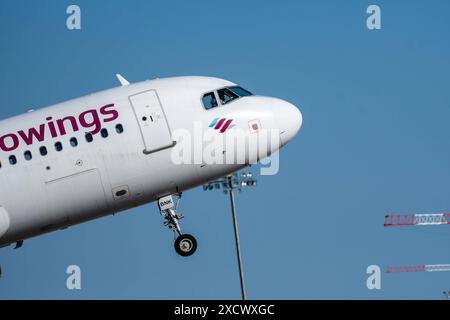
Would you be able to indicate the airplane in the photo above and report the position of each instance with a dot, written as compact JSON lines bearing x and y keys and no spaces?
{"x":111,"y":151}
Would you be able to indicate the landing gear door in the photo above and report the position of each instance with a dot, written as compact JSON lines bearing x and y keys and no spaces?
{"x":152,"y":121}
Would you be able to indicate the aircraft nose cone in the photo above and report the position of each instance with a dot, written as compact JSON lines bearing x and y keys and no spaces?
{"x":289,"y":120}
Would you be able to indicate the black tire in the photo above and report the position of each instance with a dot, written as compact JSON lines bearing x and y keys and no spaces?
{"x":185,"y":245}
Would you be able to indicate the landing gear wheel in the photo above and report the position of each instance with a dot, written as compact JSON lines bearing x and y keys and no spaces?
{"x":185,"y":245}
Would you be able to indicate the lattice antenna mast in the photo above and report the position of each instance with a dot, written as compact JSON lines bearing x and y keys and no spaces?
{"x":228,"y":184}
{"x":420,"y":268}
{"x":427,"y":219}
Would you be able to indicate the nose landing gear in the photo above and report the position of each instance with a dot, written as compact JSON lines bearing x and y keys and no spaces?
{"x":185,"y":244}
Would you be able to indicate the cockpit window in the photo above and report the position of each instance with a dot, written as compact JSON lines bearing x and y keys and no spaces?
{"x":240,"y":91}
{"x":209,"y":100}
{"x":226,"y":95}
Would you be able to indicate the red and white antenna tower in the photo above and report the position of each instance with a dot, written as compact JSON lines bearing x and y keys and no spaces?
{"x":424,"y":219}
{"x":420,"y":268}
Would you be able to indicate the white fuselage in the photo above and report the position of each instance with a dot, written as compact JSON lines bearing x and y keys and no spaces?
{"x":127,"y":165}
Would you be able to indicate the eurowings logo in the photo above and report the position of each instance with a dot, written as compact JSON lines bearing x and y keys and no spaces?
{"x":221,"y":124}
{"x":88,"y":120}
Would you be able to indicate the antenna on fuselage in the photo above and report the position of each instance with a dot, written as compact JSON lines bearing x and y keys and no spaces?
{"x":122,"y":80}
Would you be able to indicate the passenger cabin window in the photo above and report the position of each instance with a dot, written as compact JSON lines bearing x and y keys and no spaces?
{"x":43,"y":151}
{"x":74,"y":142}
{"x":209,"y":101}
{"x":28,"y":155}
{"x":12,"y":160}
{"x":89,"y":137}
{"x":104,"y":133}
{"x":58,"y":146}
{"x":119,"y":128}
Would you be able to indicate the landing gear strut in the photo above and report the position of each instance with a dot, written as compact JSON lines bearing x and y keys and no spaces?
{"x":185,"y":244}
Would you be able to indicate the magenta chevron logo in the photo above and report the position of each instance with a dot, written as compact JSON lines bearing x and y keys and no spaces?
{"x":221,"y":124}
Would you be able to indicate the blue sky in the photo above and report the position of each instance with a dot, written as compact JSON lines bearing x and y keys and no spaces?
{"x":376,"y":107}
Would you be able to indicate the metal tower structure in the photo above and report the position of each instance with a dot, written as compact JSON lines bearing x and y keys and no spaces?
{"x":416,"y":219}
{"x":229,"y":184}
